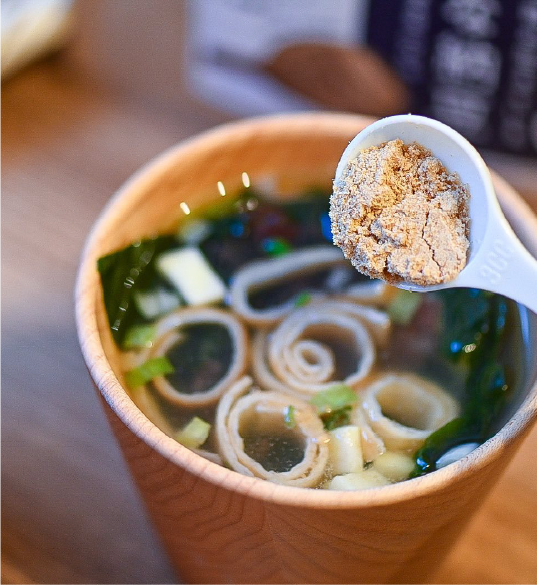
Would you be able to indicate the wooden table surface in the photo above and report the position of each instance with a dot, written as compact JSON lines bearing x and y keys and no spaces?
{"x":74,"y":127}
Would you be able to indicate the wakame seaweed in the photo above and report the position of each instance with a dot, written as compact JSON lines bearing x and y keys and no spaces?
{"x":474,"y":328}
{"x":201,"y":357}
{"x":252,"y":228}
{"x":122,"y":274}
{"x":242,"y":229}
{"x":456,"y":337}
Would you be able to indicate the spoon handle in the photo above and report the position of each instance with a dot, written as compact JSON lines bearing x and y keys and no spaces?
{"x":504,"y":266}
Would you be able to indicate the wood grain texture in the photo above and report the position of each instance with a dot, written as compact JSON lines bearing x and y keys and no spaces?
{"x":206,"y":514}
{"x":73,"y":129}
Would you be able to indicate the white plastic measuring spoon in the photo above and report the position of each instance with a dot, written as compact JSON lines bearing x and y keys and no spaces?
{"x":497,"y":260}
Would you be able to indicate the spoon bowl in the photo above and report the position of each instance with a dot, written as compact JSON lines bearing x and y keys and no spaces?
{"x":497,"y":260}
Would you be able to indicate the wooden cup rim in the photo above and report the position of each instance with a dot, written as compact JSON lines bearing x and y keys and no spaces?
{"x":517,"y":211}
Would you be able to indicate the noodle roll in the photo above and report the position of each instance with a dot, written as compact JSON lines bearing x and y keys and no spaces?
{"x":404,"y":409}
{"x":254,"y":439}
{"x":217,"y":360}
{"x":318,"y":346}
{"x":264,"y":291}
{"x":372,"y":444}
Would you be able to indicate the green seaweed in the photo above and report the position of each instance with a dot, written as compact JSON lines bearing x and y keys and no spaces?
{"x":201,"y":357}
{"x":122,"y":274}
{"x":243,"y":227}
{"x":473,"y":332}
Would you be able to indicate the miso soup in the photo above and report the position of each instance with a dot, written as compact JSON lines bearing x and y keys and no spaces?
{"x":247,"y":337}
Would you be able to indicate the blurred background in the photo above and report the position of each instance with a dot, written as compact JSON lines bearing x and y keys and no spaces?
{"x":93,"y":89}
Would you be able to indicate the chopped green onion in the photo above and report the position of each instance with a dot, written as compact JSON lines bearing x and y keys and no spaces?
{"x":334,"y":406}
{"x":337,"y":418}
{"x":289,"y":417}
{"x":194,"y":434}
{"x":139,"y":336}
{"x":303,"y":299}
{"x":404,"y":306}
{"x":335,"y":398}
{"x":150,"y":369}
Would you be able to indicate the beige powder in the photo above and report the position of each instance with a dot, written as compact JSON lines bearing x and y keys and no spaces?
{"x":398,"y":214}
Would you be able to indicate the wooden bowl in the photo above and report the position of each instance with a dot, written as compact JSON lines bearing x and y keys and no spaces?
{"x":219,"y":526}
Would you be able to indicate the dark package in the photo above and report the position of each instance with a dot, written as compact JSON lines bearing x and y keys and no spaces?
{"x":471,"y":64}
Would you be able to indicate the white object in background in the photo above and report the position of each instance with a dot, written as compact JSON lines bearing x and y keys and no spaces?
{"x":31,"y":29}
{"x":230,"y":40}
{"x":497,"y":261}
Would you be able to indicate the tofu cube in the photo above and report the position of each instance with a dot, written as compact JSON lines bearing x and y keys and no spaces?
{"x":362,"y":480}
{"x":393,"y":465}
{"x":345,"y":448}
{"x":189,"y":271}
